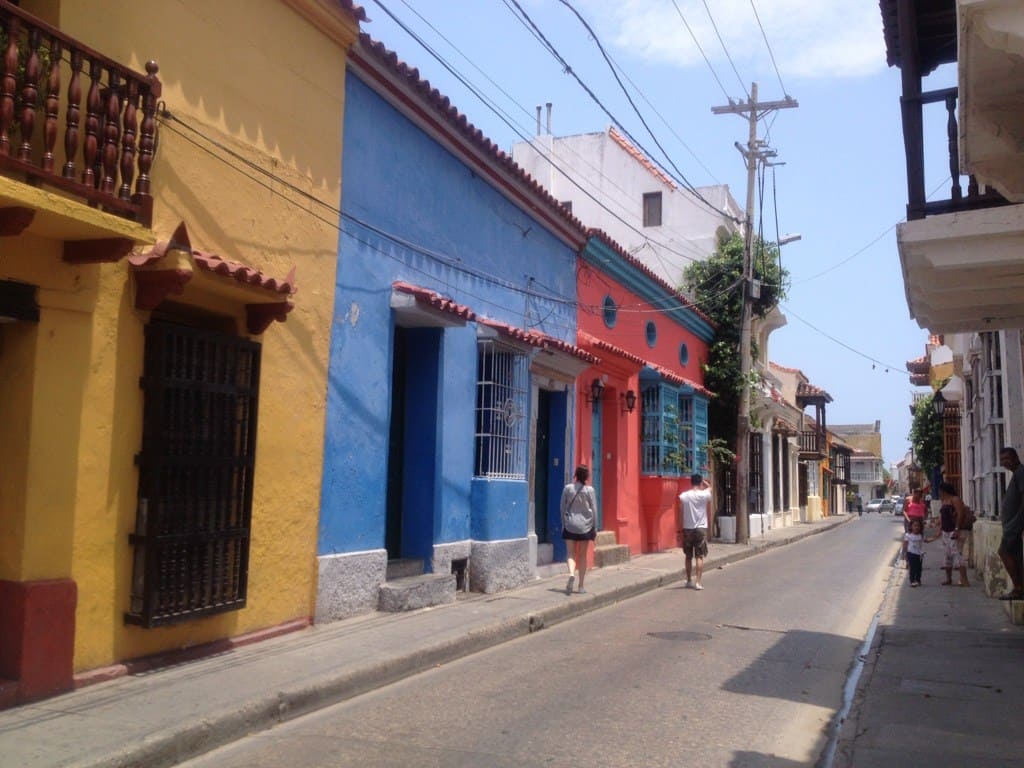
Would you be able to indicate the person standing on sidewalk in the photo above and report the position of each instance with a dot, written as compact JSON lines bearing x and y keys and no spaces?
{"x":693,"y":523}
{"x":913,"y":551}
{"x":914,"y":510}
{"x":1011,"y":548}
{"x":951,"y":513}
{"x":579,"y":524}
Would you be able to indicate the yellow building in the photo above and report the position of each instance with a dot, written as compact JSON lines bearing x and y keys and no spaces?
{"x":169,"y":177}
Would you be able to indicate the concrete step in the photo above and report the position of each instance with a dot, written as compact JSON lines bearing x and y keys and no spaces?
{"x":607,"y":550}
{"x":612,"y":555}
{"x":413,"y":592}
{"x":402,"y":567}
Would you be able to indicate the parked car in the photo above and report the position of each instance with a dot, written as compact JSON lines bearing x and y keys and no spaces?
{"x":878,"y":505}
{"x":897,"y":506}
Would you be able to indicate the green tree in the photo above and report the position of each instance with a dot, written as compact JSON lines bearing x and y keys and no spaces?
{"x":716,"y":286}
{"x":926,"y":436}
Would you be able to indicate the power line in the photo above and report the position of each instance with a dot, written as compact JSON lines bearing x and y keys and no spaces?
{"x":681,"y":180}
{"x":696,"y":42}
{"x":166,"y":119}
{"x":768,"y":46}
{"x":510,"y":123}
{"x":725,"y":49}
{"x":789,"y":312}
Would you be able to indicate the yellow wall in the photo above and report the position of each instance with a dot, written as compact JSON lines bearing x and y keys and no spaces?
{"x":871,"y":442}
{"x":254,"y":76}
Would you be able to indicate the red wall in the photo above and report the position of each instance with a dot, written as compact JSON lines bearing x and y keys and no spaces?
{"x":639,"y":509}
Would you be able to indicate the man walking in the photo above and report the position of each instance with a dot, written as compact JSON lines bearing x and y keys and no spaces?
{"x":1011,"y":548}
{"x":693,"y":522}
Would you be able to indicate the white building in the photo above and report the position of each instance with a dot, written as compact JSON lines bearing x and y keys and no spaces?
{"x":609,"y":184}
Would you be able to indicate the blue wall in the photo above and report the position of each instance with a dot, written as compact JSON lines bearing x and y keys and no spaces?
{"x":414,"y":212}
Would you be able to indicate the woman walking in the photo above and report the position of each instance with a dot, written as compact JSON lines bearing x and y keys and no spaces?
{"x":579,"y":524}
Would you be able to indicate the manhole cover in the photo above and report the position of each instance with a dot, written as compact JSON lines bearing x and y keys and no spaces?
{"x":685,"y":636}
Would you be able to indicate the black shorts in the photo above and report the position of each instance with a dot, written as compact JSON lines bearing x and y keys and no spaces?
{"x":1012,"y":544}
{"x":588,"y":536}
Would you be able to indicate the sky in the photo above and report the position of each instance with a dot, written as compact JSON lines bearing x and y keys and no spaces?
{"x":842,"y":186}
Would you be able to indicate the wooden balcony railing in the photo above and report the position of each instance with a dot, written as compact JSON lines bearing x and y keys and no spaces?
{"x":103,"y":157}
{"x":812,"y":442}
{"x":918,"y":207}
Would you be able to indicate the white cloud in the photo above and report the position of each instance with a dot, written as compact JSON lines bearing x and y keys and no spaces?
{"x":810,"y":38}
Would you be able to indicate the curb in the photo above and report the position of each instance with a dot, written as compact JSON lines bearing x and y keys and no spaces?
{"x":172,"y":746}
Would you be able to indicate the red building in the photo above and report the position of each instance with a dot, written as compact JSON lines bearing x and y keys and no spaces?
{"x":642,"y":410}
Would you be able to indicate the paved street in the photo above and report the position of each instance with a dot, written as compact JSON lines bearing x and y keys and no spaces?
{"x":749,"y":672}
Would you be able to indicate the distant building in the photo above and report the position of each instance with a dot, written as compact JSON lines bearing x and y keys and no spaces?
{"x":866,"y":476}
{"x":604,"y":180}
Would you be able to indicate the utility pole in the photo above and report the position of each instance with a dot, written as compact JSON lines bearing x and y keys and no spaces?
{"x":755,"y":152}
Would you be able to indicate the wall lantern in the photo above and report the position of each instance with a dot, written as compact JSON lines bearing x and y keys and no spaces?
{"x":629,"y":401}
{"x":939,"y":404}
{"x":596,"y":390}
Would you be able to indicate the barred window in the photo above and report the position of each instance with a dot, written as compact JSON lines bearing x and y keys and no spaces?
{"x":674,"y":430}
{"x":191,"y":537}
{"x":501,"y":389}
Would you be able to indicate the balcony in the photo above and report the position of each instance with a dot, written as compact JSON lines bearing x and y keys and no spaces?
{"x":960,"y":253}
{"x":812,"y":445}
{"x":74,"y":126}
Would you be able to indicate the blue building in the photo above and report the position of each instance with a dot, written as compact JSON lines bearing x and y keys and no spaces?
{"x":452,"y":365}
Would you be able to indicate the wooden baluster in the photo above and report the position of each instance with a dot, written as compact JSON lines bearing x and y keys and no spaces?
{"x":74,"y":107}
{"x":956,"y":193}
{"x":29,"y":96}
{"x":52,"y":105}
{"x":10,"y":85}
{"x":147,"y":135}
{"x":111,"y":132}
{"x":90,"y":149}
{"x":131,"y":128}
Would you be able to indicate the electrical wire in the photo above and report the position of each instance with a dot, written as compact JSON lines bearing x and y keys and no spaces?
{"x":771,"y":54}
{"x":681,"y":179}
{"x":696,"y":42}
{"x":790,"y":313}
{"x":508,"y":122}
{"x":726,"y":50}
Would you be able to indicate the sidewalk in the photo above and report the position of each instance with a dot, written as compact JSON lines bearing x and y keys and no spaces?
{"x":168,"y":715}
{"x":943,"y":681}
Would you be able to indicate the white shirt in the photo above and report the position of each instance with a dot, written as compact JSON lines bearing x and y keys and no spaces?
{"x":694,"y":506}
{"x":915,"y":543}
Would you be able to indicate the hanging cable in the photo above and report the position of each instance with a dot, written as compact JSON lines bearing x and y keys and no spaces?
{"x":726,"y":50}
{"x":769,"y":47}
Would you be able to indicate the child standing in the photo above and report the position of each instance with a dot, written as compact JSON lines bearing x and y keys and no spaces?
{"x":913,"y":551}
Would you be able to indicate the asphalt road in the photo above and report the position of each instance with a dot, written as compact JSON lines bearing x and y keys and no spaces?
{"x":749,"y":672}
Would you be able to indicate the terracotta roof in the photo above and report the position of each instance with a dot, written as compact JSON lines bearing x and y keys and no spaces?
{"x":678,"y":380}
{"x":778,"y":367}
{"x":538,"y":339}
{"x":435,"y":300}
{"x":641,"y":158}
{"x":919,"y":379}
{"x":809,"y":390}
{"x":443,"y":107}
{"x":213,"y":263}
{"x":593,"y":341}
{"x":353,"y":9}
{"x":648,"y":272}
{"x":783,"y":427}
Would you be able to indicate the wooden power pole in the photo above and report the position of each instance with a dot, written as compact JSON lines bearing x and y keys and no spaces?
{"x":755,"y":152}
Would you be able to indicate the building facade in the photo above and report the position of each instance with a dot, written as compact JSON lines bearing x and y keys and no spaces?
{"x":162,"y":383}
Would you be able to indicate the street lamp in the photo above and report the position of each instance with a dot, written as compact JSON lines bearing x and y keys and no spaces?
{"x":939,"y":404}
{"x":790,"y":238}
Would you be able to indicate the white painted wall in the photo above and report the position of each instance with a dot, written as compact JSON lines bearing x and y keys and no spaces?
{"x":606,"y":171}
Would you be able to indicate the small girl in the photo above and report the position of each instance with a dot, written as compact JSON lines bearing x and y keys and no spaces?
{"x":913,"y":550}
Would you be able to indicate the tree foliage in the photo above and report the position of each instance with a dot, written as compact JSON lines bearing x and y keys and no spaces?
{"x":716,"y":286}
{"x":926,"y":436}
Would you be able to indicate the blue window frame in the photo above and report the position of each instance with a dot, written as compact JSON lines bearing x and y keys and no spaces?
{"x":651,"y":332}
{"x":674,"y":424}
{"x":610,"y":311}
